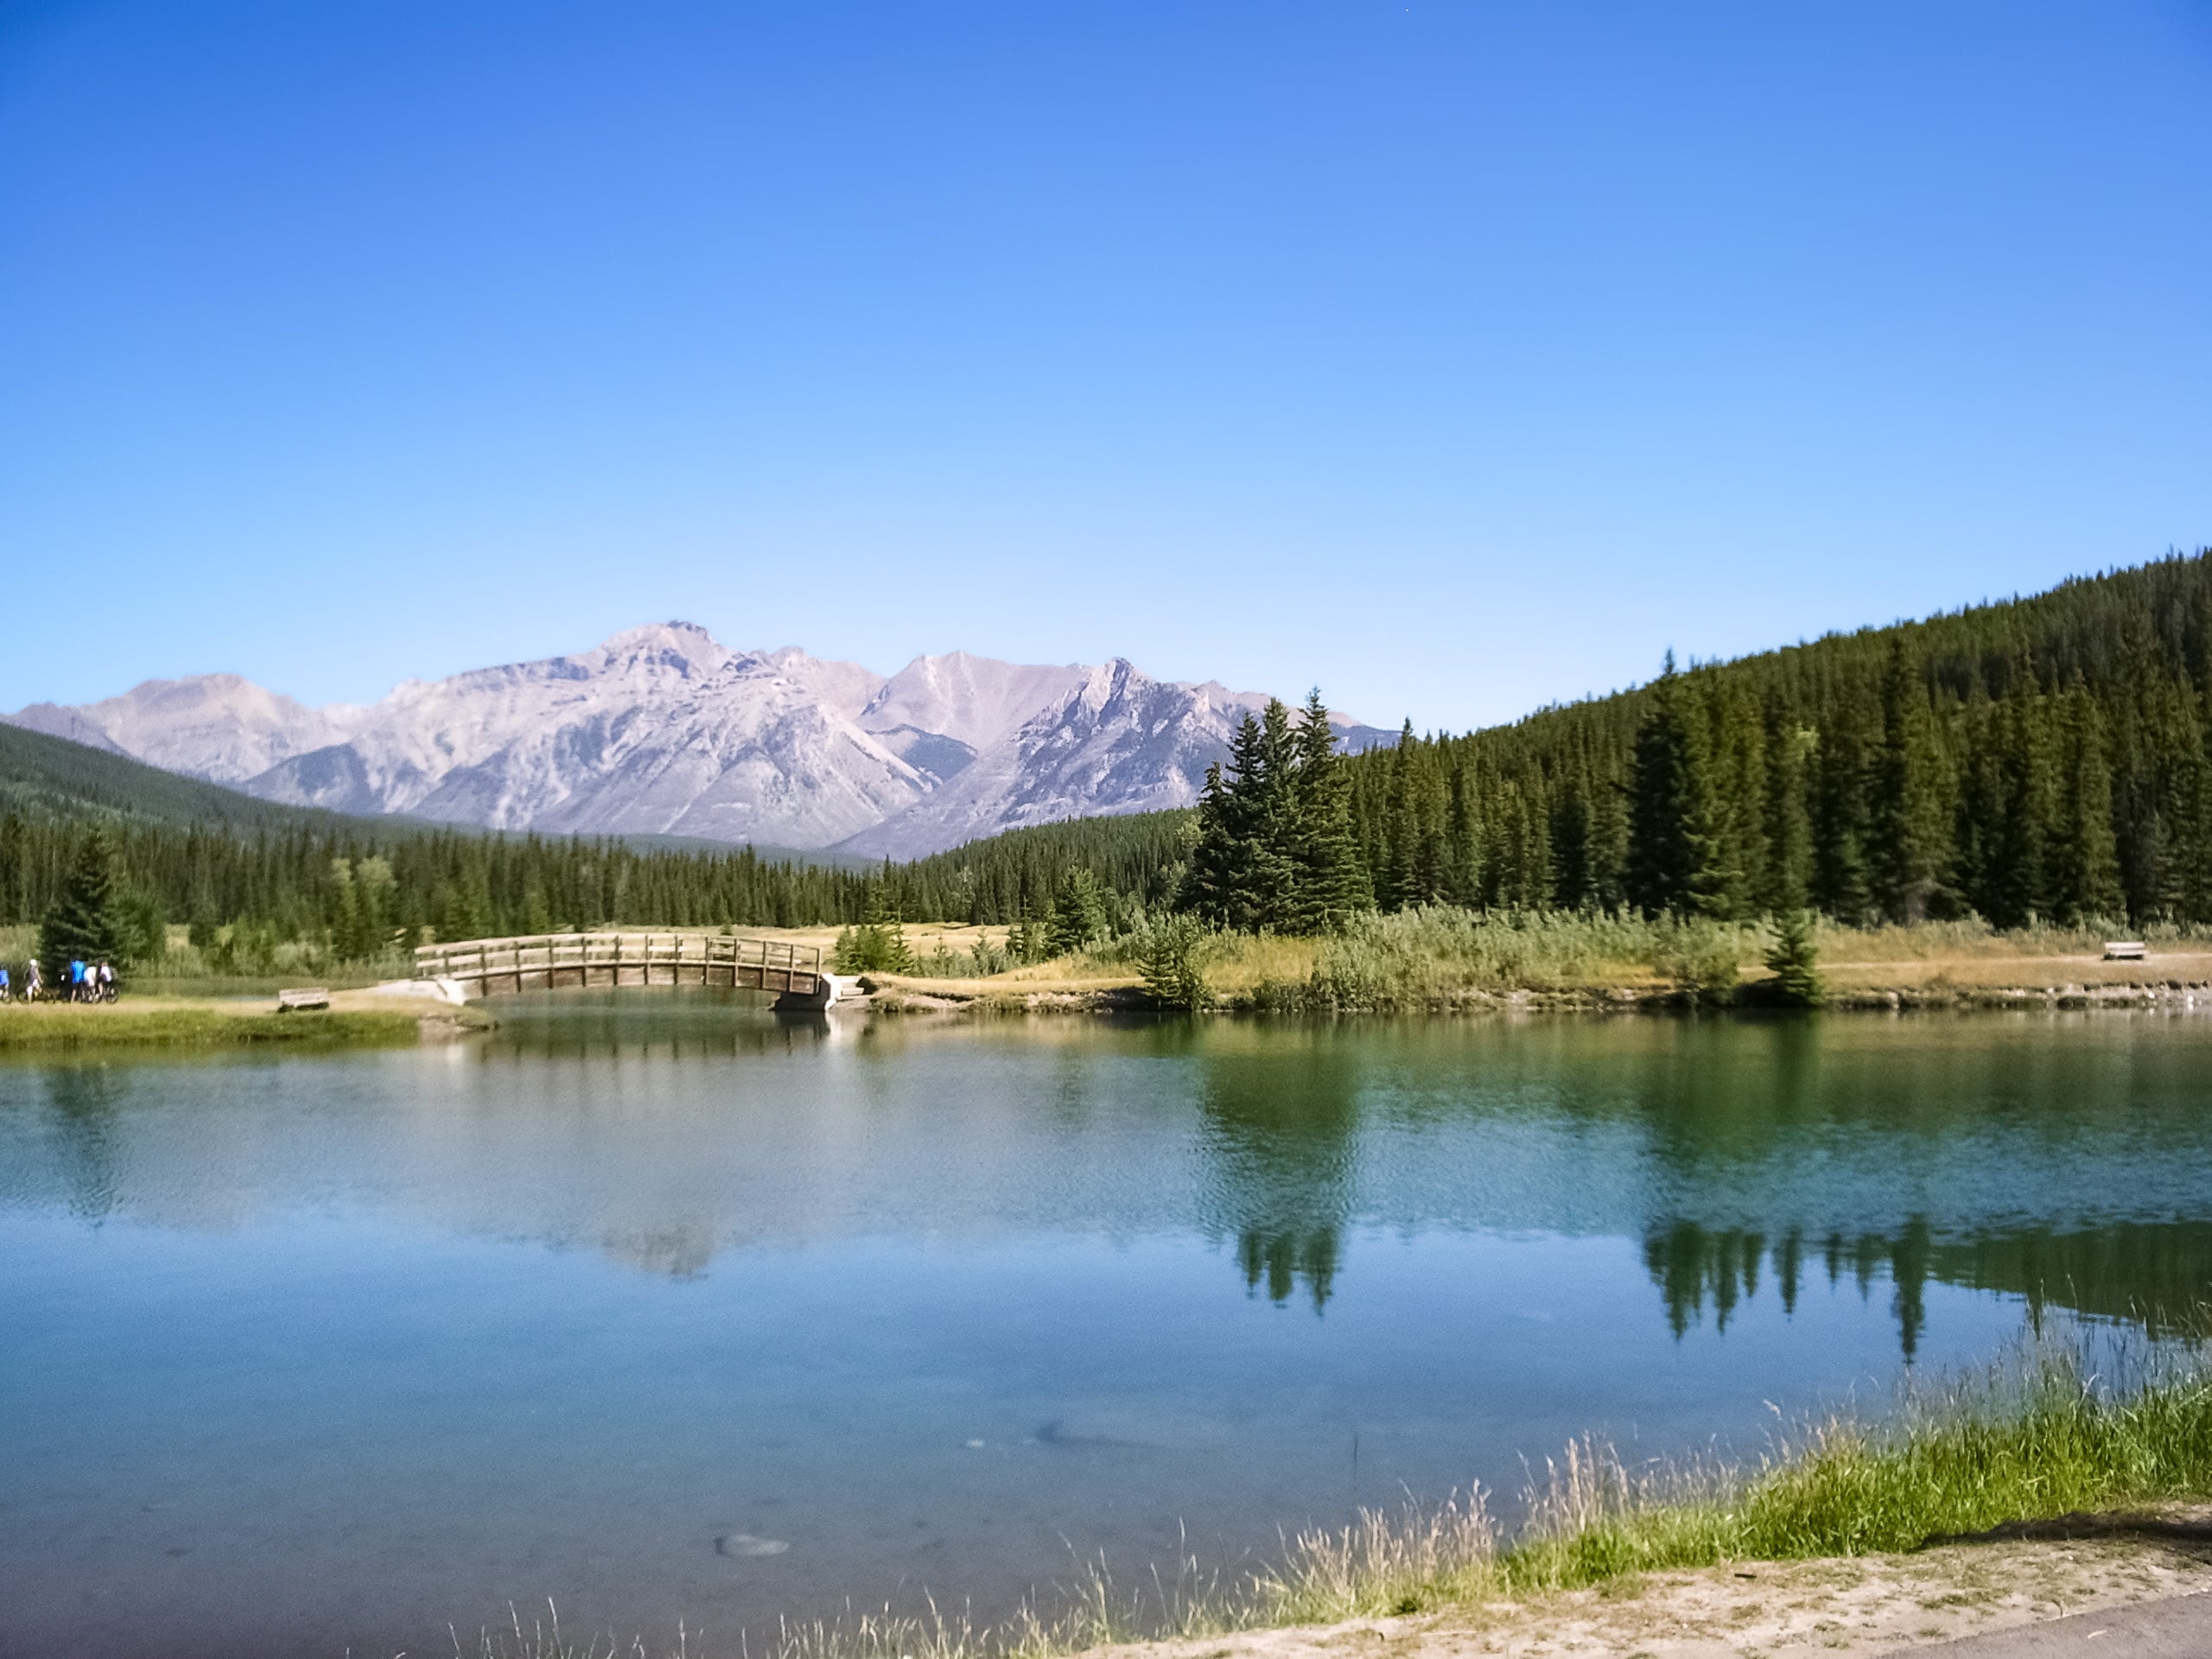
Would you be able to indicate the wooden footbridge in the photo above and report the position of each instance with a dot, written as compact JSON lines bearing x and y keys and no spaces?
{"x":792,"y":973}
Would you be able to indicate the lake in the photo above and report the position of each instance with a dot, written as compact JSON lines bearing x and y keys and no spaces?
{"x":662,"y":1307}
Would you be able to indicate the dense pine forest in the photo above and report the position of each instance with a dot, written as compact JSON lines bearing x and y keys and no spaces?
{"x":2039,"y":759}
{"x":2043,"y":757}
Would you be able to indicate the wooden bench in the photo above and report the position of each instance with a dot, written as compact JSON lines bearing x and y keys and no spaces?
{"x":312,"y":997}
{"x":2124,"y":950}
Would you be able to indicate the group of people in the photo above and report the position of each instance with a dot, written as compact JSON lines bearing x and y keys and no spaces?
{"x":88,"y":981}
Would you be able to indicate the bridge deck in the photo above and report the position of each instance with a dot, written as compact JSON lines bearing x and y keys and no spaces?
{"x":546,"y":961}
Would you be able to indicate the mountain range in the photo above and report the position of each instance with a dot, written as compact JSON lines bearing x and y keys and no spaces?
{"x":664,"y":730}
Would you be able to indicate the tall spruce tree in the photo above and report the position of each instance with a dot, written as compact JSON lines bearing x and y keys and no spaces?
{"x":1736,"y":805}
{"x":2017,"y":882}
{"x":1839,"y":823}
{"x":1901,"y":809}
{"x":2084,"y":872}
{"x":1671,"y":841}
{"x":1573,"y":845}
{"x":1463,"y":840}
{"x":1401,"y":876}
{"x":1209,"y":885}
{"x":1332,"y":876}
{"x":1789,"y":748}
{"x":82,"y":924}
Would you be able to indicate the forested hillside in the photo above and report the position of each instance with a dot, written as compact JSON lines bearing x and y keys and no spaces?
{"x":2043,"y":757}
{"x":49,"y":777}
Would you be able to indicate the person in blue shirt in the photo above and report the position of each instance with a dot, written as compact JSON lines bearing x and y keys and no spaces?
{"x":7,"y":992}
{"x":76,"y":979}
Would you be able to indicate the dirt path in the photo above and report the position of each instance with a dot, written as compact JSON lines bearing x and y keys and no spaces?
{"x":1866,"y":1605}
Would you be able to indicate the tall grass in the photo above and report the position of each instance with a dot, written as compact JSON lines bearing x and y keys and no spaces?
{"x":2066,"y":1432}
{"x":2054,"y":1427}
{"x":1438,"y":954}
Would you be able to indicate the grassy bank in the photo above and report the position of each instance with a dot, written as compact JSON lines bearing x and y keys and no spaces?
{"x":1441,"y":958}
{"x":1437,"y":957}
{"x":2055,"y":1432}
{"x":2051,"y":1434}
{"x":64,"y":1027}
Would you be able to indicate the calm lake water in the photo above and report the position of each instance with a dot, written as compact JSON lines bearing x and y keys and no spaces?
{"x":316,"y":1355}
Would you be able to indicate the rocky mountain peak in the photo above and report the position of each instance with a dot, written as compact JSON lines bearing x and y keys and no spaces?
{"x":663,"y":729}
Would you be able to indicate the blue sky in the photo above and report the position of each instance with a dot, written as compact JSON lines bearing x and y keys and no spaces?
{"x":1459,"y":358}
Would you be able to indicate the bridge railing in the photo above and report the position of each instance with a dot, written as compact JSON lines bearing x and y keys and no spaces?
{"x":583,"y":954}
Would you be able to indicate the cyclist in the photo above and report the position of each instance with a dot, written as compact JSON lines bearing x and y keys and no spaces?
{"x":104,"y":983}
{"x":31,"y":985}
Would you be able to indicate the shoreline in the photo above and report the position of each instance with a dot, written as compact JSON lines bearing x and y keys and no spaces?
{"x":893,"y":993}
{"x":354,"y":1020}
{"x":394,"y":1015}
{"x":1870,"y":1604}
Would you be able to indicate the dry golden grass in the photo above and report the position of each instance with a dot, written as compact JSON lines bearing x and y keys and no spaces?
{"x":1930,"y":958}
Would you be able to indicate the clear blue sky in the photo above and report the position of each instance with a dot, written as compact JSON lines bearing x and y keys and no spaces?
{"x":1457,"y":356}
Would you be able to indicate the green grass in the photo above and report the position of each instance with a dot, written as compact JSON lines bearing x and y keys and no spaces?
{"x":2018,"y":1444}
{"x":63,"y":1028}
{"x":2054,"y":1429}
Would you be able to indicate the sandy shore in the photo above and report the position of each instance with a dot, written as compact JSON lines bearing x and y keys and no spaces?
{"x":1867,"y":1605}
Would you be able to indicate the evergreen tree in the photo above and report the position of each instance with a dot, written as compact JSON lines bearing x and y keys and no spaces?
{"x":351,"y":938}
{"x":537,"y":913}
{"x":1401,"y":884}
{"x":1674,"y":852}
{"x":1332,"y":882}
{"x":465,"y":908}
{"x":1901,"y":819}
{"x":1078,"y":918}
{"x":1839,"y":822}
{"x":1463,"y":851}
{"x":81,"y":924}
{"x":1734,"y":808}
{"x":884,"y":921}
{"x":2015,"y":883}
{"x":1789,"y":748}
{"x":1796,"y":962}
{"x":1574,"y":847}
{"x":2084,"y":873}
{"x":1210,"y":881}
